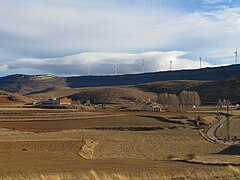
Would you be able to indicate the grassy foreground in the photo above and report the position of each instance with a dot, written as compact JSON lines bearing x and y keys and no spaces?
{"x":231,"y":172}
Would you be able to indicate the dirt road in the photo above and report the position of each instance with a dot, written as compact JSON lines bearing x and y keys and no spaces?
{"x":211,"y":133}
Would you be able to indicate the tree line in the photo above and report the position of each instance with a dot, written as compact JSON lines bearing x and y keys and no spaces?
{"x":185,"y":98}
{"x":224,"y":102}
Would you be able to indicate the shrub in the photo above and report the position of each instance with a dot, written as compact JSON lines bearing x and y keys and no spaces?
{"x":171,"y":156}
{"x":191,"y":156}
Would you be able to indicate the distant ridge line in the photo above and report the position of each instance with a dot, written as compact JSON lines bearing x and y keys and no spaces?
{"x":204,"y":74}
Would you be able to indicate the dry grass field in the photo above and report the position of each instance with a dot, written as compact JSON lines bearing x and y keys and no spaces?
{"x":234,"y":128}
{"x":72,"y":144}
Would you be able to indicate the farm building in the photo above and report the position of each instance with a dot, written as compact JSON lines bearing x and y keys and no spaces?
{"x":152,"y":106}
{"x":64,"y":101}
{"x":50,"y":101}
{"x":54,"y":101}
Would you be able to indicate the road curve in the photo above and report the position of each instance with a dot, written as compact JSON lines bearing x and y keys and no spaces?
{"x":211,"y":133}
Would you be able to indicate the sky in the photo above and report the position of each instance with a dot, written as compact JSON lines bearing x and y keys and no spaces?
{"x":66,"y":37}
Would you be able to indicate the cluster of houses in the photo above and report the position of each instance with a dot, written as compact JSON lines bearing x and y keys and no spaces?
{"x":65,"y":101}
{"x":230,"y":106}
{"x":56,"y":101}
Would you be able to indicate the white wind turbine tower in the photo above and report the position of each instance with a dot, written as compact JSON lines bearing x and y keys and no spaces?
{"x":115,"y":69}
{"x":236,"y":56}
{"x":170,"y":65}
{"x":200,"y":62}
{"x":89,"y":69}
{"x":143,"y":64}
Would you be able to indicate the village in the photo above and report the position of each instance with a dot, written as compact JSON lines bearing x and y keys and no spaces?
{"x":66,"y":102}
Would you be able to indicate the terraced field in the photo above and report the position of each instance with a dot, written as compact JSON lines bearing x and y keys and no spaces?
{"x":52,"y":120}
{"x":72,"y":141}
{"x":48,"y":146}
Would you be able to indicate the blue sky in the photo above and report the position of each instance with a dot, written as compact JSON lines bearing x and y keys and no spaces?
{"x":63,"y":37}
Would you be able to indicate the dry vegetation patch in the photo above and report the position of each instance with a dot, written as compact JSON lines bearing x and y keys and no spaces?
{"x":87,"y":150}
{"x":234,"y":128}
{"x":230,"y":172}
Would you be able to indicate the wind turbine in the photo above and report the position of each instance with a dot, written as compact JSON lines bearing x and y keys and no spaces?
{"x":170,"y":65}
{"x":143,"y":63}
{"x":115,"y":69}
{"x":236,"y":56}
{"x":89,"y":69}
{"x":200,"y":61}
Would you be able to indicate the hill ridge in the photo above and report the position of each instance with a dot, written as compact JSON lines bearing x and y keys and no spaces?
{"x":212,"y":83}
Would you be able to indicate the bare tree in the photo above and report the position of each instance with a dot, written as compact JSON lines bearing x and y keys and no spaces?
{"x":189,"y":98}
{"x":224,"y":102}
{"x":168,"y":99}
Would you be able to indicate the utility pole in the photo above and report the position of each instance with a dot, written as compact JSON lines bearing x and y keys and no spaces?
{"x":170,"y":65}
{"x":228,"y":128}
{"x":228,"y":123}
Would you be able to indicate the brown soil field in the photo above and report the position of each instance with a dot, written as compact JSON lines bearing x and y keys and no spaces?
{"x":34,"y":161}
{"x":41,"y":120}
{"x":90,"y":122}
{"x":4,"y":101}
{"x":54,"y":141}
{"x":116,"y":152}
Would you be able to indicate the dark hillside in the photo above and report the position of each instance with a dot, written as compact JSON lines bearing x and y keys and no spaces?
{"x":210,"y":92}
{"x":175,"y":87}
{"x":216,"y":73}
{"x":112,"y":95}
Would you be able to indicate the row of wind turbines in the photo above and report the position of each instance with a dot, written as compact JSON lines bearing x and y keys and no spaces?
{"x":170,"y":63}
{"x":115,"y":68}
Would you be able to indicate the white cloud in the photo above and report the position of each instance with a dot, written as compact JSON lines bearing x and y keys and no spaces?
{"x":54,"y":28}
{"x":103,"y":63}
{"x":215,"y":1}
{"x":4,"y":68}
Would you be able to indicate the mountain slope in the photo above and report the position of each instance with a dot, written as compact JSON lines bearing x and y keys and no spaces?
{"x":205,"y":74}
{"x":210,"y":91}
{"x":7,"y":98}
{"x":112,"y":95}
{"x":174,"y":87}
{"x":25,"y":84}
{"x":211,"y":83}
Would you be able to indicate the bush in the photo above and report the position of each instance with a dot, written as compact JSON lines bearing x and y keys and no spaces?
{"x":171,"y":156}
{"x":191,"y":156}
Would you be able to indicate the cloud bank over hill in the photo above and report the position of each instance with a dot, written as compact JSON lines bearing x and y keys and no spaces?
{"x":40,"y":31}
{"x":103,"y":63}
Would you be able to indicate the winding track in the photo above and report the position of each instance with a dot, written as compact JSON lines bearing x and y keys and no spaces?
{"x":211,"y":133}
